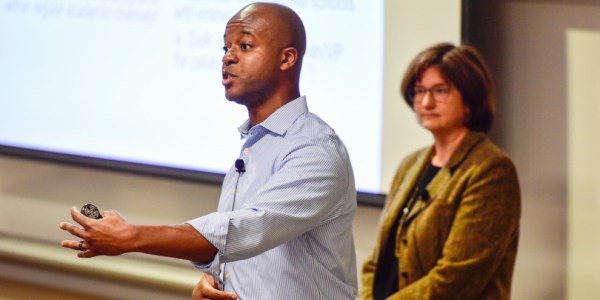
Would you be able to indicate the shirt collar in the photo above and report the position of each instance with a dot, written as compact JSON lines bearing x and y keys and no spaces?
{"x":280,"y":120}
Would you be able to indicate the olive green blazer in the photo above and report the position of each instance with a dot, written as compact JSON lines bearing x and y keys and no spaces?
{"x":462,"y":242}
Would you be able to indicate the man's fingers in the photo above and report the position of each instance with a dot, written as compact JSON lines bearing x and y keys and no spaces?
{"x":79,"y":217}
{"x":72,"y":229}
{"x":210,"y":280}
{"x":210,"y":292}
{"x":83,"y":248}
{"x":206,"y":289}
{"x":87,"y":254}
{"x":70,"y":244}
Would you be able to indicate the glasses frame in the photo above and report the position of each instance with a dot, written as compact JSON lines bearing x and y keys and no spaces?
{"x":432,"y":91}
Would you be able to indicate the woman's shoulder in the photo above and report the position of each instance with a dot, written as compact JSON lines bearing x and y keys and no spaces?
{"x":487,"y":155}
{"x":410,"y":161}
{"x":488,"y":150}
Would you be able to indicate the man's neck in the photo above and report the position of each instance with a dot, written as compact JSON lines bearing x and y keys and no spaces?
{"x":264,"y":110}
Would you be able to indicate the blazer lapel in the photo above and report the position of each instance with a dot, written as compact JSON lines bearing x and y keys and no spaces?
{"x":443,"y":177}
{"x":437,"y":184}
{"x":400,"y":199}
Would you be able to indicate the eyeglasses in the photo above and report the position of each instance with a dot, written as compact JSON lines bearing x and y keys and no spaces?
{"x":439,"y":93}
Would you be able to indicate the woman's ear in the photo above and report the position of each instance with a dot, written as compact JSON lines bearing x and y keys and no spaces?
{"x":467,"y":118}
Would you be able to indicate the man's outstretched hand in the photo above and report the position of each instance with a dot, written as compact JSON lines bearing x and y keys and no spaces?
{"x":110,"y":235}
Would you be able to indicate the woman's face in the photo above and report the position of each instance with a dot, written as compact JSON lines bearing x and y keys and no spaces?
{"x":439,"y":106}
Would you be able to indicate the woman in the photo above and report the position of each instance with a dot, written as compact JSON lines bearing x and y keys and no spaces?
{"x":450,"y":225}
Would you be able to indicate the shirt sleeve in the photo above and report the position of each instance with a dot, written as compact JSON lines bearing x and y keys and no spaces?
{"x":309,"y":185}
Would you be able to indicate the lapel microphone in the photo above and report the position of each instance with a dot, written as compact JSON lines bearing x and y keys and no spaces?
{"x":240,"y":166}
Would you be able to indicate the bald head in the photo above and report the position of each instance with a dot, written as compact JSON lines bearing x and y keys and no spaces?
{"x":264,"y":45}
{"x":284,"y":25}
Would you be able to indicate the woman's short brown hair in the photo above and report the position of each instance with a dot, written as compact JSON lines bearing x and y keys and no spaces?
{"x":464,"y":68}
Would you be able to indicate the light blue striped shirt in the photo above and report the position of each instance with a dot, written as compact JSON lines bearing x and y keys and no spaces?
{"x":289,"y":233}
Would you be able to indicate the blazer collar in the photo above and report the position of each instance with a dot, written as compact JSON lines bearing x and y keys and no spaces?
{"x":460,"y":154}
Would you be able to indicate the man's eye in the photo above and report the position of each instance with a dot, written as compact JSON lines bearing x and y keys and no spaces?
{"x":225,"y":49}
{"x":245,"y":46}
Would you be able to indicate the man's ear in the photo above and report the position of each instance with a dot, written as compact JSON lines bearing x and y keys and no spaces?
{"x":289,"y":58}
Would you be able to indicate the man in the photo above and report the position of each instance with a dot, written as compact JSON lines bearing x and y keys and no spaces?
{"x":283,"y":229}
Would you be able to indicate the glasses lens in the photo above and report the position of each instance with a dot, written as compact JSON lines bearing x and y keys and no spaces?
{"x":418,"y":93}
{"x":438,"y":93}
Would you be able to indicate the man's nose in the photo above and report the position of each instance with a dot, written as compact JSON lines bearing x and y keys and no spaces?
{"x":229,"y":57}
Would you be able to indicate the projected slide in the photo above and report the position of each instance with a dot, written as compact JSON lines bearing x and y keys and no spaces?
{"x":140,"y":80}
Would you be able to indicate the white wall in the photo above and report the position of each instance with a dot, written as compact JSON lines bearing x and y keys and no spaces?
{"x":542,"y":55}
{"x":411,"y":26}
{"x":583,"y":188}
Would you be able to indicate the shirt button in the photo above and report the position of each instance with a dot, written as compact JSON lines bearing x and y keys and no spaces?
{"x":404,"y":241}
{"x":246,"y":150}
{"x":405,"y":211}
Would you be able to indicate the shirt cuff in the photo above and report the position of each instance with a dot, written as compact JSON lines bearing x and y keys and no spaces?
{"x":214,"y":228}
{"x":212,"y":267}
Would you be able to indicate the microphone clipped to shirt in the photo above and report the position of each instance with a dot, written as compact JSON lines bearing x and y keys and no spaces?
{"x":240,"y":166}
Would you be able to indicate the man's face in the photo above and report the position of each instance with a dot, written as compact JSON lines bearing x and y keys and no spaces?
{"x":251,"y":60}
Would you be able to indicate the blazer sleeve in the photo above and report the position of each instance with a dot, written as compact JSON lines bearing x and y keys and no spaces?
{"x":485,"y":224}
{"x":368,"y":277}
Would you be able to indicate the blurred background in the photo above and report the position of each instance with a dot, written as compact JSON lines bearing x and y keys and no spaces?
{"x":544,"y":55}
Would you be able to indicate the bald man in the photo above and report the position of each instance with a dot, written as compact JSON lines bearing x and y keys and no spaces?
{"x":283,"y":228}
